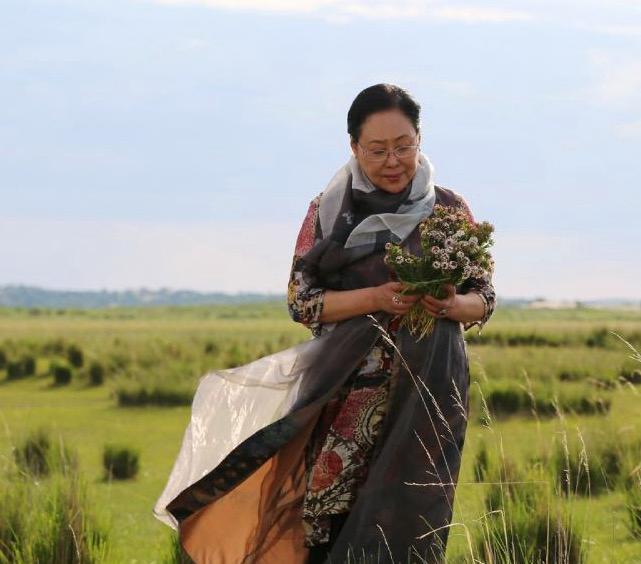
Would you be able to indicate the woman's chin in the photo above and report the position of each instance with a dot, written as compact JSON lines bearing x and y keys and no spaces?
{"x":392,"y":187}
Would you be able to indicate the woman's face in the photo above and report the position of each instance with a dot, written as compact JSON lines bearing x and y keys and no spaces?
{"x":387,"y":130}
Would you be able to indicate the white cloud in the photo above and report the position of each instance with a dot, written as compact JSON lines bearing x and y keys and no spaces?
{"x":629,"y":130}
{"x":479,"y":14}
{"x":284,"y":6}
{"x":340,"y":11}
{"x":614,"y":82}
{"x":617,"y":78}
{"x":614,"y":17}
{"x":619,"y":30}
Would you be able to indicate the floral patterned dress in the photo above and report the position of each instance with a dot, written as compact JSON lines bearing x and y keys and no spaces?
{"x":344,"y":439}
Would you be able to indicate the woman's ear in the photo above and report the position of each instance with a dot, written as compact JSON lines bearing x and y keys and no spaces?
{"x":354,"y":147}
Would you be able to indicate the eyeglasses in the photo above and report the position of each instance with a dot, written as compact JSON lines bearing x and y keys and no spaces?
{"x":379,"y":155}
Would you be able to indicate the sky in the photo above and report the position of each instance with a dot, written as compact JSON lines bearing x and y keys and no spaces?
{"x":178,"y":143}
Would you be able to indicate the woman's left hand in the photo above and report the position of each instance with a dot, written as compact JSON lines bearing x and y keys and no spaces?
{"x":442,"y":307}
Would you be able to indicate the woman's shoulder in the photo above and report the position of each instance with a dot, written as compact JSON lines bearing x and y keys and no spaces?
{"x":448,"y":197}
{"x":314,"y":203}
{"x":309,"y":229}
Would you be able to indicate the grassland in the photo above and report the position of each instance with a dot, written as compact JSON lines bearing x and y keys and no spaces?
{"x":544,"y":354}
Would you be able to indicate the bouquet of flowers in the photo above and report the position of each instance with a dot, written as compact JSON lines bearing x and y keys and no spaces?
{"x":453,"y":249}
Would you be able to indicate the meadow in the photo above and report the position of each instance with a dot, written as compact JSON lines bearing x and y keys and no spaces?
{"x":553,"y":441}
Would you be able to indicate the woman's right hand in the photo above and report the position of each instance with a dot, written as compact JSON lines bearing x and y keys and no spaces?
{"x":387,"y":297}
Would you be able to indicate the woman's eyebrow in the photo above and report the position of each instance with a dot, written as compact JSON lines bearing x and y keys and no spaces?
{"x":383,"y":141}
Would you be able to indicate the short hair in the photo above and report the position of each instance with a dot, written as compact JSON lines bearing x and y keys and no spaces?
{"x":377,"y":98}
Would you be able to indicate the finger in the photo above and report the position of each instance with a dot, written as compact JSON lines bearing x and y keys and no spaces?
{"x":433,"y":302}
{"x":433,"y":311}
{"x":398,"y":299}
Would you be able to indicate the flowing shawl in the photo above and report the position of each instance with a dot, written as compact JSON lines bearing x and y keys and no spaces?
{"x":236,"y":489}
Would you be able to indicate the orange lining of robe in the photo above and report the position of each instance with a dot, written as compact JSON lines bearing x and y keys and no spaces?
{"x":260,"y":520}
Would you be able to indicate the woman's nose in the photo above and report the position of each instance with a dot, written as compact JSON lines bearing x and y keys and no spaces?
{"x":392,"y":159}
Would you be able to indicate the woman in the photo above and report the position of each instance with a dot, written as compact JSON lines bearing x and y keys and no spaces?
{"x":350,"y":443}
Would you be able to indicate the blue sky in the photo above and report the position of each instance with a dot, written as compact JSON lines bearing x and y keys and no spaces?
{"x":178,"y":143}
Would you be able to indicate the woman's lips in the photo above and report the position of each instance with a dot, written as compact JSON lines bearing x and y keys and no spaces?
{"x":393,"y":178}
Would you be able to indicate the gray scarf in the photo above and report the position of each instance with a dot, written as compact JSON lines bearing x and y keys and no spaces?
{"x":399,"y":224}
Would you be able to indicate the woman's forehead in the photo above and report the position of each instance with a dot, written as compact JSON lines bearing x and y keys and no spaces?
{"x":383,"y":127}
{"x":402,"y":137}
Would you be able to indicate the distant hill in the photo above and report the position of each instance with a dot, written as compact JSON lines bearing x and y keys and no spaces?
{"x":29,"y":296}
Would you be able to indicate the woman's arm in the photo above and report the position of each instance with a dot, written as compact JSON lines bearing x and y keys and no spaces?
{"x":480,"y":288}
{"x":344,"y":304}
{"x":305,"y":302}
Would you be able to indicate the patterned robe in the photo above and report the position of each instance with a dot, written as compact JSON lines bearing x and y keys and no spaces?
{"x":344,"y":439}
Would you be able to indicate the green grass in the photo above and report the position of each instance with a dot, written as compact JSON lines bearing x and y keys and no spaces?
{"x":170,"y":348}
{"x":89,"y":419}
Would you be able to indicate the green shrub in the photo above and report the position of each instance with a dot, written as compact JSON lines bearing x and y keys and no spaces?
{"x":602,"y":383}
{"x":573,"y":375}
{"x":118,"y":361}
{"x":96,"y":374}
{"x":236,"y":356}
{"x":211,"y":347}
{"x":49,"y":524}
{"x":139,"y":395}
{"x":55,"y":346}
{"x":633,"y":504}
{"x":506,"y":401}
{"x":3,"y":359}
{"x":598,"y":338}
{"x":120,"y":462}
{"x":15,"y":370}
{"x":521,"y":534}
{"x":13,"y":523}
{"x":61,"y":374}
{"x":509,"y":484}
{"x":587,"y":471}
{"x":589,"y":406}
{"x":28,"y":365}
{"x":38,"y":455}
{"x":578,"y":403}
{"x":266,"y":349}
{"x":523,"y":523}
{"x":75,"y":356}
{"x":630,"y":376}
{"x":33,"y":455}
{"x":481,"y":462}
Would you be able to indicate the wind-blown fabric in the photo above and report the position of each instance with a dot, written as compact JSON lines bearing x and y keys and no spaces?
{"x":238,"y":485}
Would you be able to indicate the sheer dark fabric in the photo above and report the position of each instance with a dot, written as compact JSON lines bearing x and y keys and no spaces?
{"x":405,"y":505}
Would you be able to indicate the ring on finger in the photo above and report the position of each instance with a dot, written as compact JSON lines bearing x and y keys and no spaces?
{"x":397,"y":299}
{"x":442,"y":311}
